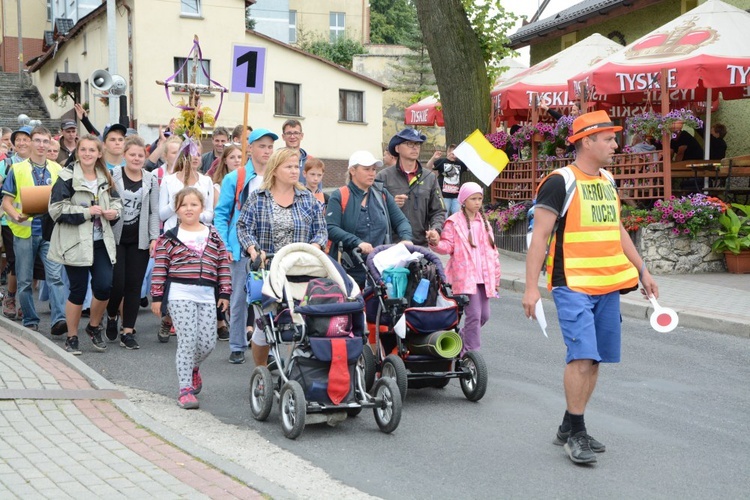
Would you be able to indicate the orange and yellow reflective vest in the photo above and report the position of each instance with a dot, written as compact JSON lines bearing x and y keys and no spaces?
{"x":593,"y":259}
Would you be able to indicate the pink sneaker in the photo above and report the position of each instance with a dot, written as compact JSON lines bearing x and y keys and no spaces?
{"x":187,"y":399}
{"x":197,"y":380}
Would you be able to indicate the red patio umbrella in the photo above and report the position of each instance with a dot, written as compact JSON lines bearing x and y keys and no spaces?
{"x":704,"y":51}
{"x":549,"y":78}
{"x":427,"y":112}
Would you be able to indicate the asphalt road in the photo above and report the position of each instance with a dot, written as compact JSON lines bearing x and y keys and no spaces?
{"x":673,"y":414}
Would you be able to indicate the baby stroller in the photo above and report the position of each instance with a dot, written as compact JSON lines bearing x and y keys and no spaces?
{"x":316,"y":373}
{"x":426,"y":353}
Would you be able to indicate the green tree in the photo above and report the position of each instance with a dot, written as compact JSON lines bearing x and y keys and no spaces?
{"x":414,"y":72}
{"x":463,"y":38}
{"x":391,"y":21}
{"x":249,"y":21}
{"x":341,"y":52}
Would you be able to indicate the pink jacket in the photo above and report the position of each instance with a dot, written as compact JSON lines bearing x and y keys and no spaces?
{"x":461,"y":270}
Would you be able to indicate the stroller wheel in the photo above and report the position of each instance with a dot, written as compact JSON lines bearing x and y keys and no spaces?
{"x":293,"y":409}
{"x":474,"y":381}
{"x":388,"y":412}
{"x":394,"y":368}
{"x":367,"y":362}
{"x":261,"y":393}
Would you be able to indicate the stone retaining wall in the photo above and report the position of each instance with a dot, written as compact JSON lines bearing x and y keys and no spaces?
{"x":667,"y":253}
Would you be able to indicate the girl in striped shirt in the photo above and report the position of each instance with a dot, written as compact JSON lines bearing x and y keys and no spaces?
{"x":191,"y":262}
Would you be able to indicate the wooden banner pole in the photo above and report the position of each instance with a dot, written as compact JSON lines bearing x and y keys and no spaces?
{"x":244,"y":129}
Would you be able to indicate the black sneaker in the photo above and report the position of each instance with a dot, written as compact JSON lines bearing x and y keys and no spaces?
{"x":223,"y":333}
{"x":579,"y":450}
{"x":86,"y":313}
{"x":127,"y":340}
{"x":59,"y":328}
{"x":144,"y":302}
{"x":163,"y":333}
{"x":112,"y":330}
{"x":237,"y":357}
{"x":95,"y":333}
{"x":71,"y":345}
{"x":562,"y":437}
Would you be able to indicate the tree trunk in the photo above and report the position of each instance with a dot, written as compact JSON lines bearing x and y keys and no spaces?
{"x":458,"y":65}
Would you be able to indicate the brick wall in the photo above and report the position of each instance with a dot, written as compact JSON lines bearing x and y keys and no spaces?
{"x":32,"y":47}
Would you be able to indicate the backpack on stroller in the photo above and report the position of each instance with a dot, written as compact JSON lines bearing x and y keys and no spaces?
{"x":311,"y":313}
{"x":418,"y":342}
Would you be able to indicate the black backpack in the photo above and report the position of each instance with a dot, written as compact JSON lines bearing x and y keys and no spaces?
{"x":417,"y":271}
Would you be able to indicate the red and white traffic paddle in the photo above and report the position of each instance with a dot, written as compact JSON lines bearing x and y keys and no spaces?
{"x":663,"y":319}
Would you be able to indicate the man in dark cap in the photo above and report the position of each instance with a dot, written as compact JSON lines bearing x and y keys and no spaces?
{"x":68,"y":141}
{"x":415,"y":190}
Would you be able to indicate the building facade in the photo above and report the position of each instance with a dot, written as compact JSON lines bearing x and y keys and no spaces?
{"x":292,"y":21}
{"x":340,"y":111}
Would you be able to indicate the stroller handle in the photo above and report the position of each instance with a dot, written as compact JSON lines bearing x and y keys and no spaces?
{"x":258,"y":263}
{"x":428,"y":254}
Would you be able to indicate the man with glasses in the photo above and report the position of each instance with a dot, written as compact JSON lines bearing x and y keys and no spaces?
{"x":415,"y":190}
{"x":292,"y":134}
{"x":37,"y":170}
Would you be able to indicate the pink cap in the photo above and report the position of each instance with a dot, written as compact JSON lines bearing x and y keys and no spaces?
{"x":468,"y":189}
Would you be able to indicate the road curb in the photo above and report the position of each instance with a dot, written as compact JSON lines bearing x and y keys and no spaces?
{"x":49,"y":348}
{"x":639,"y":308}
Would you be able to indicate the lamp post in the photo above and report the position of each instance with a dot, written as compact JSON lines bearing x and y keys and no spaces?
{"x":114,"y":107}
{"x":20,"y":44}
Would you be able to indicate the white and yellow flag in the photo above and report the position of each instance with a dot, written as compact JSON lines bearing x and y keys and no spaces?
{"x":483,"y":160}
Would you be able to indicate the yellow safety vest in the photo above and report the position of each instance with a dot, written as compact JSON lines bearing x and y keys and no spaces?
{"x":24,"y":177}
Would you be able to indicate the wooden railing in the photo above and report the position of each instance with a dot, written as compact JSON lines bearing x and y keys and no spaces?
{"x":640,"y":177}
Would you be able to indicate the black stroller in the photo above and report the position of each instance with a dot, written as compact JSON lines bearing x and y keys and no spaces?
{"x":307,"y":361}
{"x":426,"y":354}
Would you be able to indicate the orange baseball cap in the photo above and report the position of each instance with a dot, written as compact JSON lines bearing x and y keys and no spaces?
{"x":592,"y":123}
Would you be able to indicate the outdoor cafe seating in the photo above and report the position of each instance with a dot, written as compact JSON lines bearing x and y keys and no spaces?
{"x":642,"y":178}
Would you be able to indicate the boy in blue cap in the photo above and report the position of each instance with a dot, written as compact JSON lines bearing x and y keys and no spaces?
{"x":226,"y":214}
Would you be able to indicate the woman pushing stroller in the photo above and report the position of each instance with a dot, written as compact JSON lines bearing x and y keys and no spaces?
{"x":473,"y":267}
{"x":280,"y":212}
{"x":363,"y":215}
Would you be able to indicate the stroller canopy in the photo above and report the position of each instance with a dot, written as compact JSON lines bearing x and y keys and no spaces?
{"x":295,"y":264}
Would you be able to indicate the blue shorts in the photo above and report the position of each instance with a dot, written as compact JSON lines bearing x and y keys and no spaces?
{"x":590,"y":324}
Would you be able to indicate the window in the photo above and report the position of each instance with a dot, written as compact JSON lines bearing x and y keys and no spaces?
{"x":568,"y":40}
{"x":292,"y":26}
{"x":190,"y":8}
{"x":351,"y":106}
{"x":287,"y":99}
{"x":186,"y":74}
{"x":337,"y":21}
{"x":49,"y":10}
{"x":688,"y":5}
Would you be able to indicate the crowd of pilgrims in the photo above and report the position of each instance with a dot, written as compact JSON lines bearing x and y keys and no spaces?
{"x":127,"y":221}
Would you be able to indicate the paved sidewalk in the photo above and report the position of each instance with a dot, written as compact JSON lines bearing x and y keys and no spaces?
{"x":718,"y":302}
{"x":61,"y":437}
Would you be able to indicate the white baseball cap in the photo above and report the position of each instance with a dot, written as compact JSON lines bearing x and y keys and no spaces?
{"x":364,"y":158}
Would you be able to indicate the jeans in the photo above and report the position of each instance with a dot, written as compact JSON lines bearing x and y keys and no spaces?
{"x":452,"y":206}
{"x":146,"y":287}
{"x":26,"y":250}
{"x":238,"y":307}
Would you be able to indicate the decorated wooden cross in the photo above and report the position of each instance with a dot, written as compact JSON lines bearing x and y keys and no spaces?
{"x":193,"y":117}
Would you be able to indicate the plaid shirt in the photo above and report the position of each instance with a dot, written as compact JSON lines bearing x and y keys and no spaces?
{"x":255,"y":225}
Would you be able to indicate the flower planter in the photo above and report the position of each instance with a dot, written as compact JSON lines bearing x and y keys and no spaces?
{"x":738,"y":263}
